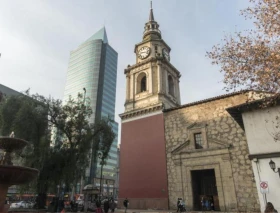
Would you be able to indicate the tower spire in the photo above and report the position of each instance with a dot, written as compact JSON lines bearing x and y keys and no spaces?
{"x":151,"y":18}
{"x":151,"y":27}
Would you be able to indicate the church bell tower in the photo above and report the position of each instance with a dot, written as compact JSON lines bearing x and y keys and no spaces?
{"x":152,"y":83}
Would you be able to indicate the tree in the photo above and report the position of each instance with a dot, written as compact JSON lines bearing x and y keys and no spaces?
{"x":75,"y":136}
{"x":251,"y":59}
{"x":41,"y":121}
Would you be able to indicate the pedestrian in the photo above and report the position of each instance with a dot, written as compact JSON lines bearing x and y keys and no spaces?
{"x":178,"y":204}
{"x":61,"y":206}
{"x":207,"y":204}
{"x":270,"y":208}
{"x":113,"y":205}
{"x":125,"y":203}
{"x":182,"y":206}
{"x":98,"y":207}
{"x":106,"y":205}
{"x":212,"y":204}
{"x":202,"y":203}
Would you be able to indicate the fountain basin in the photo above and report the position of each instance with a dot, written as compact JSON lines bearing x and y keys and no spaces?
{"x":12,"y":144}
{"x":16,"y":175}
{"x":9,"y":174}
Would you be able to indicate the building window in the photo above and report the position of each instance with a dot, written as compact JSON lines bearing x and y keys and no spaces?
{"x":198,"y":140}
{"x":170,"y":85}
{"x":143,"y":84}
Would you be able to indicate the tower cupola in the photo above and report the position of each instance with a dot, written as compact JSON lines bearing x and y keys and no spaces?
{"x":151,"y":27}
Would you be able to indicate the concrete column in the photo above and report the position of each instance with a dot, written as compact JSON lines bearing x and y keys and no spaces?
{"x":134,"y":86}
{"x":159,"y":71}
{"x":127,"y":87}
{"x":151,"y":79}
{"x":131,"y":82}
{"x":178,"y":92}
{"x":165,"y":77}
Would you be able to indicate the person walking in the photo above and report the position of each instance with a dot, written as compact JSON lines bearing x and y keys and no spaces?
{"x":125,"y":203}
{"x":178,"y":204}
{"x":113,"y":205}
{"x":212,"y":204}
{"x":207,"y":204}
{"x":270,"y":208}
{"x":98,"y":207}
{"x":202,"y":203}
{"x":106,"y":205}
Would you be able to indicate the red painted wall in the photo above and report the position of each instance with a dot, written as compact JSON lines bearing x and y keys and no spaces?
{"x":143,"y":159}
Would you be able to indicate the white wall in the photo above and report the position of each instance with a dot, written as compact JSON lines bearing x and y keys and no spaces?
{"x":259,"y":133}
{"x":262,"y":172}
{"x":259,"y":128}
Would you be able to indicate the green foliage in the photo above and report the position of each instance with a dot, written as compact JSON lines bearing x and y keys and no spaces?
{"x":43,"y":121}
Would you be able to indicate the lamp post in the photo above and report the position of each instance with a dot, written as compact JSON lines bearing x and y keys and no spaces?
{"x":58,"y":186}
{"x":57,"y":200}
{"x":85,"y":92}
{"x":63,"y":191}
{"x":78,"y":188}
{"x":273,"y":167}
{"x":101,"y":157}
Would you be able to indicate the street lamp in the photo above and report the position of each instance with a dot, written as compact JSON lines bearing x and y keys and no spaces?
{"x":101,"y":157}
{"x":63,"y":191}
{"x":273,"y":167}
{"x":57,"y":200}
{"x":85,"y":92}
{"x":58,"y":186}
{"x":78,"y":188}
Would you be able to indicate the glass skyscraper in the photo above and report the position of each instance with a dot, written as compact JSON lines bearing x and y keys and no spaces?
{"x":93,"y":66}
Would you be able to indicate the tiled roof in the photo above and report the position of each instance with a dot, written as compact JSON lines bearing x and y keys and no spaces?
{"x":8,"y":91}
{"x":210,"y":99}
{"x":236,"y":111}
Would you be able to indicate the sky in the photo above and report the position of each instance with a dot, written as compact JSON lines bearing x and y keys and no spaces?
{"x":36,"y":38}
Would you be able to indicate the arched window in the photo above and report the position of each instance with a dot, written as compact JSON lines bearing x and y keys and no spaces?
{"x":170,"y":85}
{"x":143,"y":84}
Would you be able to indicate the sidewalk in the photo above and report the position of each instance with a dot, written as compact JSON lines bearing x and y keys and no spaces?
{"x":144,"y":211}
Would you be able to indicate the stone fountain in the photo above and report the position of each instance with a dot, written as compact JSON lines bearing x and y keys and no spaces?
{"x":10,"y":174}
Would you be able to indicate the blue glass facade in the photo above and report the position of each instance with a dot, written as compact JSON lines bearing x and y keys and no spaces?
{"x":93,"y":66}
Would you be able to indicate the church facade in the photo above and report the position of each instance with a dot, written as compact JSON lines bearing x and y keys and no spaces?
{"x":196,"y":151}
{"x":207,"y":155}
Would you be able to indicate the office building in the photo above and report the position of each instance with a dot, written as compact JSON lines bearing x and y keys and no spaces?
{"x":93,"y":70}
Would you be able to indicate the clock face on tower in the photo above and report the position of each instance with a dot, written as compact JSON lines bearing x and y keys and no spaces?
{"x":144,"y":52}
{"x":165,"y":53}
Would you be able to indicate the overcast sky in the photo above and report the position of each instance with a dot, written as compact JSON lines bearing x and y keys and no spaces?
{"x":36,"y":38}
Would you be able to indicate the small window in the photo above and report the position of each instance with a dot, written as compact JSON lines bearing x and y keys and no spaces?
{"x":156,"y":48}
{"x":143,"y":84}
{"x":198,"y":140}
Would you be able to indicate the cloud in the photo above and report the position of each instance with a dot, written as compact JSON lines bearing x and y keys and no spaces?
{"x":36,"y":38}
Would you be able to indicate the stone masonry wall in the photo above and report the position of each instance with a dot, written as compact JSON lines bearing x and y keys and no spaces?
{"x":218,"y":126}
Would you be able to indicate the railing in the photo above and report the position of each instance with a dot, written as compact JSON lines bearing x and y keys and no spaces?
{"x":152,"y":30}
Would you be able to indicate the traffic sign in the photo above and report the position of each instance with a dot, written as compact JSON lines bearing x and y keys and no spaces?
{"x":264,"y":187}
